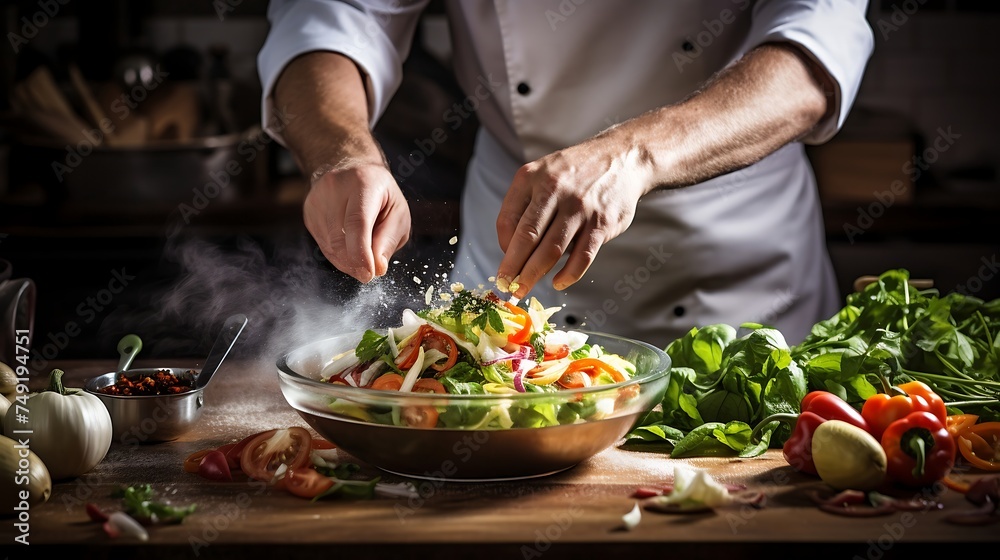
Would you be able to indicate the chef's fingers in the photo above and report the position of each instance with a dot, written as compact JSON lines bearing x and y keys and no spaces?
{"x":323,"y":216}
{"x":392,"y":231}
{"x":531,"y":227}
{"x":514,"y":204}
{"x":585,"y":247}
{"x":556,"y":241}
{"x":359,"y":221}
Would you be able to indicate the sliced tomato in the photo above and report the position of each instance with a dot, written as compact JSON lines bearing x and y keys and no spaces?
{"x":234,"y":451}
{"x":419,"y":416}
{"x":980,"y":445}
{"x":444,"y":344}
{"x":306,"y":482}
{"x":213,"y":466}
{"x":428,"y":385}
{"x":320,"y":443}
{"x":594,"y":367}
{"x":192,"y":460}
{"x":522,"y":318}
{"x":555,"y":352}
{"x":408,"y":355}
{"x":265,"y":454}
{"x":388,"y":382}
{"x":958,"y":422}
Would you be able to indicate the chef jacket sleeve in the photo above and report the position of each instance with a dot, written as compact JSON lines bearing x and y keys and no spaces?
{"x":375,"y":34}
{"x":835,"y":33}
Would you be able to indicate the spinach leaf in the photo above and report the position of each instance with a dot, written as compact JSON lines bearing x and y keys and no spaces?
{"x":372,"y":345}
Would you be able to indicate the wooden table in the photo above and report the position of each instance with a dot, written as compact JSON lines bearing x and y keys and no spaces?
{"x":574,"y":514}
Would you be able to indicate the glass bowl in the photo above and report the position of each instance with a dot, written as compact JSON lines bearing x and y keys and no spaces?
{"x":548,"y":433}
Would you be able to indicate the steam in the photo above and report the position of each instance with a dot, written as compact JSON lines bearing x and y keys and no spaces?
{"x":290,"y":294}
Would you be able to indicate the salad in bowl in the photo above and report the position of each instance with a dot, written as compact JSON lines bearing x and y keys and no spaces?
{"x":474,"y":388}
{"x":476,"y":344}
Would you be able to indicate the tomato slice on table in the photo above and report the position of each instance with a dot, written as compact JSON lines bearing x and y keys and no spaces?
{"x":265,"y":453}
{"x":306,"y":482}
{"x":213,"y":466}
{"x":193,"y":460}
{"x":980,"y":445}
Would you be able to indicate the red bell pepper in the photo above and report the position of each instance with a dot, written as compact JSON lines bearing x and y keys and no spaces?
{"x":816,"y":407}
{"x":883,"y":409}
{"x":919,"y":450}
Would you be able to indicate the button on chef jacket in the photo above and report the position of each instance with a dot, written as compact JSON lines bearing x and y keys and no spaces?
{"x":748,"y":246}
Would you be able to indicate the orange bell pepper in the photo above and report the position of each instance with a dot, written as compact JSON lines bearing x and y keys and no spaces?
{"x":521,"y":317}
{"x":883,"y":409}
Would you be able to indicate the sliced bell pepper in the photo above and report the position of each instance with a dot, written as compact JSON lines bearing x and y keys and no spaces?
{"x":979,"y":444}
{"x":919,"y":450}
{"x":958,"y":422}
{"x":594,"y":367}
{"x":883,"y":409}
{"x":521,"y":317}
{"x":816,"y":407}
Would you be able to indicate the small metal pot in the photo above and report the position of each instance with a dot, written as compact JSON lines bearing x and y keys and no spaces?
{"x":149,"y":418}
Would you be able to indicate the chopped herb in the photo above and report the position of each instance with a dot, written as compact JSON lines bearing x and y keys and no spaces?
{"x":372,"y":346}
{"x":485,"y":311}
{"x":138,"y":502}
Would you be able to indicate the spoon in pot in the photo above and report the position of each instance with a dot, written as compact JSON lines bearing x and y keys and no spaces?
{"x":231,"y":330}
{"x":128,"y":347}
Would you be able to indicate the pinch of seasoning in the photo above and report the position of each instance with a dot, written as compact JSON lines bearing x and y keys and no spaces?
{"x":453,"y":240}
{"x":457,"y":287}
{"x":428,"y":295}
{"x":416,"y":280}
{"x":513,"y":286}
{"x":445,"y":296}
{"x":503,"y":284}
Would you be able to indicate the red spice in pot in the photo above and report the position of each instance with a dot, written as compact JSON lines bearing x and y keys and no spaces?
{"x":161,"y":382}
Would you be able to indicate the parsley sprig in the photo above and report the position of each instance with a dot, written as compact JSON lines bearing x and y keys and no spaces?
{"x":485,"y":311}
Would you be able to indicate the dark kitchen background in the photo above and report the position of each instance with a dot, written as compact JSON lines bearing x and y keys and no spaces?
{"x":189,"y":213}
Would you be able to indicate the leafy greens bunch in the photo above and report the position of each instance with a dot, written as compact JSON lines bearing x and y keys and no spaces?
{"x":720,"y":387}
{"x":890,"y":331}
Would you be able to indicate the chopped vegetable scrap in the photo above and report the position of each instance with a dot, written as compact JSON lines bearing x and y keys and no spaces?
{"x":140,"y":509}
{"x":855,"y":503}
{"x":695,"y":491}
{"x":292,"y":460}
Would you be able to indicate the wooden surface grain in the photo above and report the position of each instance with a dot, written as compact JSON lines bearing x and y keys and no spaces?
{"x":576,"y":513}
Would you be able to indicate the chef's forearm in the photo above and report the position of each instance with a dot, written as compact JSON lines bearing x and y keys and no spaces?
{"x":324,"y":90}
{"x":769,"y":98}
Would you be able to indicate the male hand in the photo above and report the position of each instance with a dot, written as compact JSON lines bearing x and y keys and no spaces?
{"x":359,"y":218}
{"x":572,"y":201}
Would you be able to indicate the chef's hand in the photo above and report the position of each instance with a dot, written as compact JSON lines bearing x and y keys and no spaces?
{"x":358,"y":217}
{"x":574,"y":200}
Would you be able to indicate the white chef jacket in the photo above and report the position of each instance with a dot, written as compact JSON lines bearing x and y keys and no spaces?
{"x":746,"y":246}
